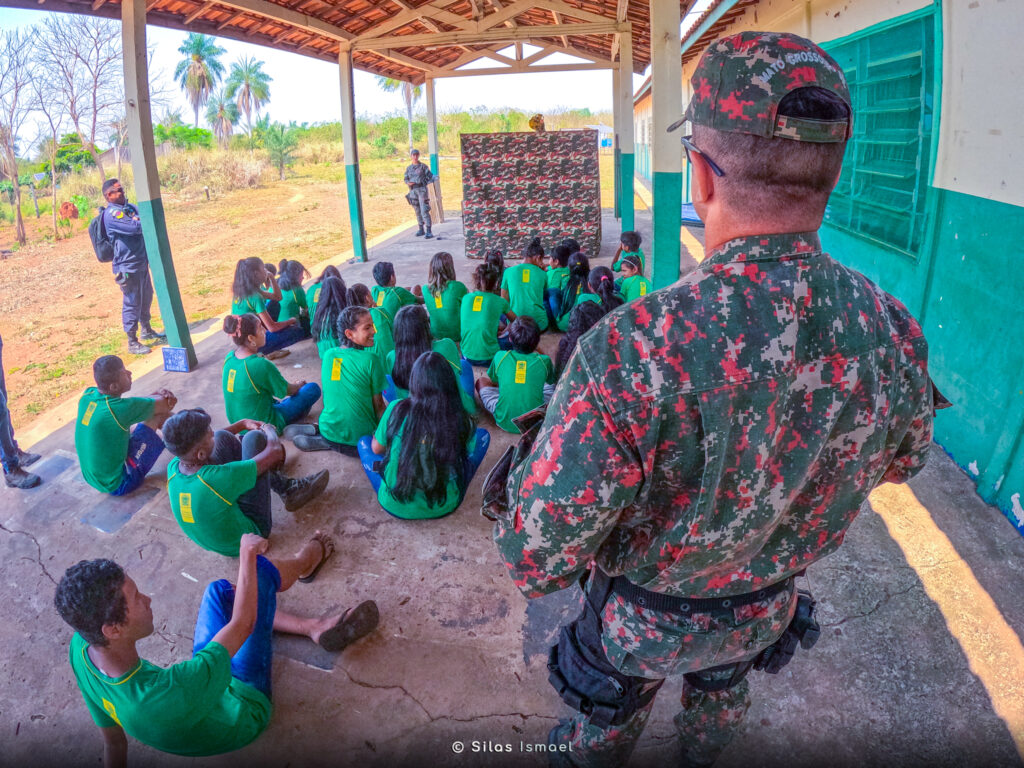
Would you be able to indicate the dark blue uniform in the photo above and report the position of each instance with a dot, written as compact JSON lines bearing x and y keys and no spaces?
{"x":130,"y":265}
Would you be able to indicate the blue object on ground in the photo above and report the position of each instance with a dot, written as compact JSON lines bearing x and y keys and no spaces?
{"x":176,"y":359}
{"x":689,"y":216}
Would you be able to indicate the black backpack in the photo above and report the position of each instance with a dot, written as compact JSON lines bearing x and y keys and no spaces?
{"x":98,"y":234}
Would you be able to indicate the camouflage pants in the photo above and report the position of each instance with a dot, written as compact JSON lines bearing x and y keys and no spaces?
{"x":420,"y":202}
{"x":708,"y":721}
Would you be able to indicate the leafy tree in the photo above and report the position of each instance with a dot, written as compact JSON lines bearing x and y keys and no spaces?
{"x":249,"y":85}
{"x":411,"y":93}
{"x":280,"y":142}
{"x":259,"y":130}
{"x":200,"y":71}
{"x":222,"y":115}
{"x":182,"y":136}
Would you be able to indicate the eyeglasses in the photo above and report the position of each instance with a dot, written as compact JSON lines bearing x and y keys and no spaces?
{"x":690,"y":147}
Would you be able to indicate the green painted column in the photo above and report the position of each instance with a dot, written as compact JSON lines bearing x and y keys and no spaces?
{"x":624,"y":97}
{"x":617,"y":162}
{"x":147,"y":179}
{"x":617,"y":118}
{"x":353,"y":179}
{"x":666,"y":151}
{"x":432,"y":147}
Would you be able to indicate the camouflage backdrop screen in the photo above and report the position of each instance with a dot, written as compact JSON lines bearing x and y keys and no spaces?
{"x":517,"y":186}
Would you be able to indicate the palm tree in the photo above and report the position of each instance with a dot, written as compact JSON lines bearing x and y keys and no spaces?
{"x":249,"y":85}
{"x":222,"y":114}
{"x":200,"y":70}
{"x":280,"y":142}
{"x":411,"y":93}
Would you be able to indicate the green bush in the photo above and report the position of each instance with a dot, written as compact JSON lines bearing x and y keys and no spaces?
{"x":382,"y":147}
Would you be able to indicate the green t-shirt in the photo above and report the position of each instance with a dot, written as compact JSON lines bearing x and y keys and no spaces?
{"x":312,"y":298}
{"x":479,"y":318}
{"x":254,"y":304}
{"x":292,"y":302}
{"x":192,"y":708}
{"x":206,"y":504}
{"x":520,"y":379}
{"x":587,"y":297}
{"x":416,"y":508}
{"x":383,"y":334}
{"x":562,"y":321}
{"x":391,"y":298}
{"x":557,"y":277}
{"x":102,"y":430}
{"x":250,"y":387}
{"x":525,"y":284}
{"x":617,"y":266}
{"x":634,"y":287}
{"x":325,"y":343}
{"x":446,"y":348}
{"x":444,"y":310}
{"x":350,"y":377}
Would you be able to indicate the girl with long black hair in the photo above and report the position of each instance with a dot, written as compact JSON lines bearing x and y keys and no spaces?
{"x":250,"y":275}
{"x":412,"y":339}
{"x":575,"y":284}
{"x":442,"y":295}
{"x":601,"y":282}
{"x":582,"y":318}
{"x":316,"y":287}
{"x":332,"y":300}
{"x":425,"y":451}
{"x":290,"y":274}
{"x":383,"y":323}
{"x":482,"y":313}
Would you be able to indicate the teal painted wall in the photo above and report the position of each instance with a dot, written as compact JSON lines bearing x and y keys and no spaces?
{"x":968,"y":291}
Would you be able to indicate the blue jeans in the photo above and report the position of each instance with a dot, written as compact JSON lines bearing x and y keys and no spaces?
{"x":478,"y":363}
{"x":280,"y":339}
{"x":389,"y":392}
{"x":553,"y":302}
{"x":466,"y":376}
{"x":251,"y":664}
{"x":368,"y":459}
{"x":8,"y":445}
{"x":295,"y":407}
{"x":144,"y":448}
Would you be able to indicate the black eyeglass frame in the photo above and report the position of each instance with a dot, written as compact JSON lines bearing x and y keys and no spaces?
{"x":689,"y":146}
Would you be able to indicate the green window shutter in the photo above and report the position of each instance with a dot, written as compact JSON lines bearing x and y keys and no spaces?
{"x":883,"y":188}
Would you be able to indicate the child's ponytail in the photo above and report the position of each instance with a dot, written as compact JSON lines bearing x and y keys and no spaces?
{"x":602,"y":282}
{"x":241,"y":327}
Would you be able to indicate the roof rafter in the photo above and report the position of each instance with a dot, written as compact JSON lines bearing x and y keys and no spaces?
{"x":516,"y":34}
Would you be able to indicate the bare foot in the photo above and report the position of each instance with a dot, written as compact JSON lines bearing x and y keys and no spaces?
{"x":322,"y":625}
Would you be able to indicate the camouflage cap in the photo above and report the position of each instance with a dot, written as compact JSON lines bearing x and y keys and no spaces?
{"x":741,"y":79}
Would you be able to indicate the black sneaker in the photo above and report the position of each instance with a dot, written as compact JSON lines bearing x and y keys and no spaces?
{"x":26,"y":459}
{"x":148,"y":334}
{"x":302,"y":490}
{"x":19,"y":478}
{"x":419,"y":232}
{"x":137,"y":348}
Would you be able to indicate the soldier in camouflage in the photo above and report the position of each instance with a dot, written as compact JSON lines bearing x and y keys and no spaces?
{"x":710,"y":440}
{"x":417,"y":176}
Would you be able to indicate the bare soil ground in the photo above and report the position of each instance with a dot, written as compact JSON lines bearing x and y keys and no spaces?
{"x":60,"y":308}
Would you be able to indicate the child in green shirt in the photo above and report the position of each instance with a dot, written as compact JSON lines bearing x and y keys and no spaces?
{"x":602,"y":290}
{"x":353,"y":380}
{"x":115,"y":458}
{"x":633,"y":284}
{"x":555,"y":280}
{"x":574,"y":286}
{"x":518,"y":380}
{"x":523,"y":285}
{"x":425,"y":450}
{"x":332,"y":299}
{"x":290,"y":274}
{"x":253,"y":386}
{"x":248,"y":296}
{"x":220,"y":699}
{"x":383,"y":330}
{"x":313,"y":291}
{"x":386,"y":294}
{"x":629,"y":245}
{"x":219,"y":486}
{"x":442,"y":296}
{"x":482,"y":314}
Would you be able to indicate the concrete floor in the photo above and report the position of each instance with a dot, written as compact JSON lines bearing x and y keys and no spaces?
{"x":460,"y":654}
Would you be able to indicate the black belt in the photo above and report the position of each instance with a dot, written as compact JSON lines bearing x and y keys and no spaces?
{"x":658,"y":601}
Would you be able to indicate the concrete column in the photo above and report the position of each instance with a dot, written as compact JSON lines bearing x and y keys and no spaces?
{"x":624,"y":97}
{"x":353,"y":182}
{"x":147,"y":180}
{"x":617,"y":118}
{"x":666,"y":151}
{"x":432,"y":126}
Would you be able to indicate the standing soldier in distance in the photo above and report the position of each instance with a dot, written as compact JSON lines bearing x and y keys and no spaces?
{"x":130,"y":265}
{"x":712,"y":439}
{"x":417,"y":176}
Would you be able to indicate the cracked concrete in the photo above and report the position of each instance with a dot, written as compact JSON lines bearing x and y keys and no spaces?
{"x":460,"y":655}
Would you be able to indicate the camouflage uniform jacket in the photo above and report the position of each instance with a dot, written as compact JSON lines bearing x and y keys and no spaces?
{"x":721,"y":434}
{"x":418,"y":174}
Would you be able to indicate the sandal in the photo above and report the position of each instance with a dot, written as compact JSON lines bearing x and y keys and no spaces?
{"x":354,"y":624}
{"x":277,"y":354}
{"x":326,"y":550}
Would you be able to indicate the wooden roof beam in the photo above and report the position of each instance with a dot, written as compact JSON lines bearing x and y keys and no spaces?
{"x":198,"y":12}
{"x":516,"y":34}
{"x":518,"y":69}
{"x":231,"y":20}
{"x":274,"y":12}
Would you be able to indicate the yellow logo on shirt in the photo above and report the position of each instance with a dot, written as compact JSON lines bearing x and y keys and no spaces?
{"x":438,"y":303}
{"x":88,"y":414}
{"x":520,"y":372}
{"x":526,"y":275}
{"x":478,"y":303}
{"x":336,"y":370}
{"x":316,"y":295}
{"x":231,"y":380}
{"x":185,"y":507}
{"x":643,"y":289}
{"x":380,"y":299}
{"x":109,"y":707}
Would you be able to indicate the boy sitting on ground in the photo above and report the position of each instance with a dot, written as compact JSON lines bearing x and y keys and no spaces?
{"x":220,"y":485}
{"x":518,"y":380}
{"x":114,"y":457}
{"x":217,"y":701}
{"x":389,"y":296}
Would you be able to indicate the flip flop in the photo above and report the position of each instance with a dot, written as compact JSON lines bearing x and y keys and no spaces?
{"x":325,"y":555}
{"x":294,"y":430}
{"x":355,"y":624}
{"x":277,"y":354}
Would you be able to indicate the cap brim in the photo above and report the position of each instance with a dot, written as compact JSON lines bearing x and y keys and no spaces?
{"x":676,"y":124}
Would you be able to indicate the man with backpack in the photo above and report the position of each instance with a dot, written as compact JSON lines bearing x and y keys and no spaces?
{"x":120,"y":229}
